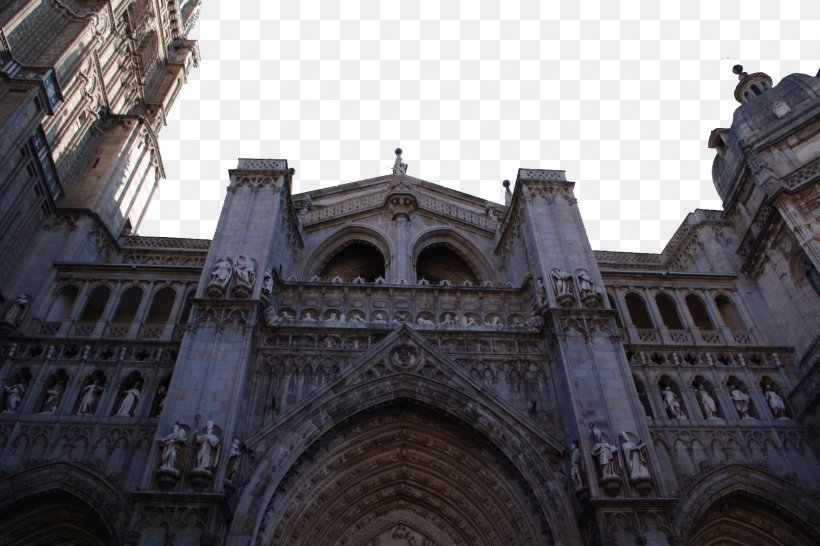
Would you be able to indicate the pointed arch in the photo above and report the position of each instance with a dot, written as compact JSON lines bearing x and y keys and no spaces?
{"x":353,"y":417}
{"x":713,"y":509}
{"x":61,"y":503}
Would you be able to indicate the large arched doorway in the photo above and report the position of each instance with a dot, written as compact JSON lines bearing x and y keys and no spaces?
{"x":403,"y":473}
{"x":739,"y":521}
{"x":53,"y":517}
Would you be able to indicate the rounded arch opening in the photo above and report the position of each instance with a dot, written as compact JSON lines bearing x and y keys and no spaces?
{"x":354,"y":259}
{"x":697,"y":310}
{"x":669,"y":312}
{"x":638,"y":313}
{"x":128,"y":305}
{"x":95,"y":305}
{"x":161,"y":306}
{"x":440,"y":262}
{"x":62,"y":304}
{"x":728,"y":312}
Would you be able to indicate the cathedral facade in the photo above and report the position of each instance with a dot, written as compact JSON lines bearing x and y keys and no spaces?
{"x":386,"y":362}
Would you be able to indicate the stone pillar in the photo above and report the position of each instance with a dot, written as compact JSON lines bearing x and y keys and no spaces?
{"x":594,"y":381}
{"x":211,"y":373}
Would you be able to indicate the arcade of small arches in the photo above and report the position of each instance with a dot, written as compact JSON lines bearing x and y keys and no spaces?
{"x":680,"y":317}
{"x":119,"y":309}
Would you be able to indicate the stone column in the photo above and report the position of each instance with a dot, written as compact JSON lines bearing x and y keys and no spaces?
{"x":212,"y":371}
{"x":594,"y":381}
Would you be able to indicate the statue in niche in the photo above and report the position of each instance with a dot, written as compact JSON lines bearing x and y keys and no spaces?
{"x":422,"y":321}
{"x":90,"y":395}
{"x":53,"y":397}
{"x":208,"y":450}
{"x":541,"y":290}
{"x":162,"y":392}
{"x":605,"y":454}
{"x":219,"y":277}
{"x":267,"y":283}
{"x":380,"y":318}
{"x":234,"y":457}
{"x":16,"y":311}
{"x":741,"y":401}
{"x":14,"y":395}
{"x":585,"y":284}
{"x":672,"y":402}
{"x":562,"y":281}
{"x":707,"y":403}
{"x":129,"y":400}
{"x":776,"y":402}
{"x":636,"y":458}
{"x":245,"y":274}
{"x":172,"y":445}
{"x":576,"y":466}
{"x":308,"y":317}
{"x":448,"y":320}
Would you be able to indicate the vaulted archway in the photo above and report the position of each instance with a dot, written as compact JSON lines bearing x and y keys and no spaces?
{"x":403,"y":470}
{"x":404,"y":436}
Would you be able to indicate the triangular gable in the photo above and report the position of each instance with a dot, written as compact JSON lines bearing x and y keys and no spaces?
{"x":406,"y":365}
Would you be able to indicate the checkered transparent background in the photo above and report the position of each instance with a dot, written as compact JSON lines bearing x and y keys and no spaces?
{"x":620,"y":94}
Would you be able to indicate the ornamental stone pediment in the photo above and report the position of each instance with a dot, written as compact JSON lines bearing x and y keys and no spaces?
{"x":405,"y":366}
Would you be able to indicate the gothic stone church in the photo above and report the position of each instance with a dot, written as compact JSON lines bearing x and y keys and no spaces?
{"x":386,"y":362}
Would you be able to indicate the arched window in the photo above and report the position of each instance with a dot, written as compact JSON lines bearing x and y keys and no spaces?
{"x":95,"y":305}
{"x":128,"y":305}
{"x":617,"y":312}
{"x":356,"y":259}
{"x":638,"y":312}
{"x":697,"y":310}
{"x":63,"y":302}
{"x":438,"y":262}
{"x":729,"y":314}
{"x":161,"y":306}
{"x":669,"y":312}
{"x":186,"y":309}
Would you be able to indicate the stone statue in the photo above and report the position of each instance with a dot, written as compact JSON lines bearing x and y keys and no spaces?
{"x":172,"y":445}
{"x":308,"y":317}
{"x":221,"y":273}
{"x":90,"y":395}
{"x":707,"y":403}
{"x":14,"y":395}
{"x":53,"y":397}
{"x":422,"y":321}
{"x":267,"y":282}
{"x":562,"y":281}
{"x":16,"y":311}
{"x":448,"y":320}
{"x":741,"y":401}
{"x":208,"y":450}
{"x":245,"y":271}
{"x":129,"y":400}
{"x":776,"y":403}
{"x":234,"y":456}
{"x":672,"y":402}
{"x":585,"y":284}
{"x":636,"y":458}
{"x":162,"y":392}
{"x":541,"y":290}
{"x":576,"y":466}
{"x":605,"y":453}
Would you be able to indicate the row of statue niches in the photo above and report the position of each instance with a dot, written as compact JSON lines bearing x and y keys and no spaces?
{"x":630,"y":460}
{"x":708,"y":403}
{"x":205,"y":444}
{"x":423,"y":320}
{"x":91,"y":390}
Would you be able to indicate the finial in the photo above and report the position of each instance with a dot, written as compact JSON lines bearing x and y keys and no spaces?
{"x":398,"y":151}
{"x":506,"y":184}
{"x":292,"y":171}
{"x":507,"y":193}
{"x":399,"y":167}
{"x":738,"y":69}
